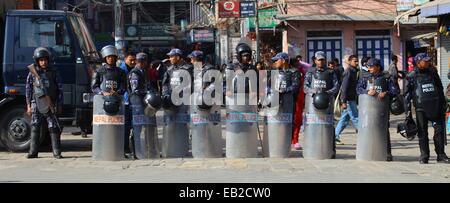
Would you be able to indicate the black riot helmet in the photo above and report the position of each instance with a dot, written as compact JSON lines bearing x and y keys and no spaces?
{"x":241,"y":49}
{"x":397,"y":105}
{"x":321,"y":100}
{"x":41,"y":52}
{"x":408,"y":129}
{"x":153,"y":103}
{"x":111,"y":105}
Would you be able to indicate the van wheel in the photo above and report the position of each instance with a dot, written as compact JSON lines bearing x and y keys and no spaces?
{"x":15,"y":130}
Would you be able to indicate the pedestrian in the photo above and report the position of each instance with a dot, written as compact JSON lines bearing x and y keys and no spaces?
{"x":302,"y":66}
{"x":127,"y":65}
{"x":313,"y":61}
{"x":153,"y":75}
{"x":348,"y":98}
{"x":393,"y":70}
{"x":44,"y":98}
{"x":363,"y":69}
{"x":332,"y":66}
{"x":410,"y":62}
{"x":299,"y":99}
{"x":425,"y":88}
{"x":260,"y":66}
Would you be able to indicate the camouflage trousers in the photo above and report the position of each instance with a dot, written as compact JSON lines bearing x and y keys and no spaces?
{"x":37,"y":118}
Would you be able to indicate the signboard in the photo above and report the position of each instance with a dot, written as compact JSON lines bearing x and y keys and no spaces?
{"x":266,"y":19}
{"x":202,"y":35}
{"x":148,"y":30}
{"x":247,"y":9}
{"x":24,"y":4}
{"x":420,"y":2}
{"x":405,"y":5}
{"x":229,"y":9}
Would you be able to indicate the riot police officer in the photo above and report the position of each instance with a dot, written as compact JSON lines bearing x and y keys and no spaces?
{"x":175,"y":95}
{"x":108,"y":85}
{"x":205,"y":109}
{"x":143,"y":122}
{"x":241,"y":101}
{"x":424,"y":88}
{"x":374,"y":92}
{"x":284,"y":81}
{"x":321,"y":84}
{"x":109,"y":79}
{"x":44,"y":98}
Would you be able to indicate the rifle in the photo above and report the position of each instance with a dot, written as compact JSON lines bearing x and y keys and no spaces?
{"x":38,"y":83}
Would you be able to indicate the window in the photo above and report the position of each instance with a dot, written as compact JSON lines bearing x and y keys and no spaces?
{"x":45,"y":32}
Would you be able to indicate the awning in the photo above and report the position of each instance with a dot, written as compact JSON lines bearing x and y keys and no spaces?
{"x":335,"y":17}
{"x":349,"y":10}
{"x":425,"y":36}
{"x":413,"y":12}
{"x":430,"y":9}
{"x":435,"y":8}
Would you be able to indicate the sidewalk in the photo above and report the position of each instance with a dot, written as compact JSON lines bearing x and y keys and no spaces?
{"x":79,"y":167}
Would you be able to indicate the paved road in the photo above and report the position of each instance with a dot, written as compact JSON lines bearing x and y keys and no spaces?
{"x":79,"y":167}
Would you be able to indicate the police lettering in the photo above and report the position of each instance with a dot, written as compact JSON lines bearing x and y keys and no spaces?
{"x":322,"y":84}
{"x":426,"y":88}
{"x":283,"y":118}
{"x":175,"y":81}
{"x":378,"y":89}
{"x":242,"y":117}
{"x":111,"y":84}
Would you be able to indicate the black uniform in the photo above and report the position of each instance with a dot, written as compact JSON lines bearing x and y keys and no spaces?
{"x":383,"y":83}
{"x":424,"y":87}
{"x":291,"y":83}
{"x":230,"y":72}
{"x":39,"y":90}
{"x":168,"y":81}
{"x":107,"y":78}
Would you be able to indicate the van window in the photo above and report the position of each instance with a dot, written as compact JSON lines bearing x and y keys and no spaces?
{"x":42,"y":32}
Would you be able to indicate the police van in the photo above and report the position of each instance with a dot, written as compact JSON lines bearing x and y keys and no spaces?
{"x":67,"y":37}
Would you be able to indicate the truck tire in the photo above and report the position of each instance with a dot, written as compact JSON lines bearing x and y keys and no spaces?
{"x":15,"y":130}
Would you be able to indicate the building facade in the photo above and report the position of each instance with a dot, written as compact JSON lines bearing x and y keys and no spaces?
{"x":341,"y":28}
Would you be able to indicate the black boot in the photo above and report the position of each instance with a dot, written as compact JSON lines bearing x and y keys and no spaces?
{"x":56,"y":143}
{"x":424,"y":150}
{"x":439,"y":147}
{"x":34,"y":143}
{"x":389,"y":156}
{"x":442,"y":158}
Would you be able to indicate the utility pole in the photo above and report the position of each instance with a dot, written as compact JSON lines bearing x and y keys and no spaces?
{"x":41,"y":4}
{"x":258,"y":57}
{"x":118,"y":28}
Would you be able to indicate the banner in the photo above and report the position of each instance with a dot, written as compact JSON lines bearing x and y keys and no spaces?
{"x":229,"y":9}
